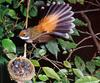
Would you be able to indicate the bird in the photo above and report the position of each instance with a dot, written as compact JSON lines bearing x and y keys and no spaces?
{"x":58,"y":21}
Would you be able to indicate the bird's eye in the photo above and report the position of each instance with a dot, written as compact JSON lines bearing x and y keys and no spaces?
{"x":24,"y":34}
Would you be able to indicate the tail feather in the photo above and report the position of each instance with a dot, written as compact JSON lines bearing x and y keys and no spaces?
{"x":54,"y":9}
{"x":63,"y":11}
{"x":65,"y":27}
{"x":65,"y":17}
{"x":58,"y":19}
{"x":68,"y":20}
{"x":60,"y":9}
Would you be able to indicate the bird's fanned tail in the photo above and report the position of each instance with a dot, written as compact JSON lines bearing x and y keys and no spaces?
{"x":58,"y":20}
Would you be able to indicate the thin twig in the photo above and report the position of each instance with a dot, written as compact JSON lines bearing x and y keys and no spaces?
{"x":20,"y":2}
{"x":26,"y":25}
{"x":85,"y":11}
{"x":27,"y":13}
{"x":86,"y":39}
{"x":38,"y":72}
{"x":72,"y":51}
{"x":94,"y":4}
{"x":70,"y":54}
{"x":45,"y":58}
{"x":97,"y":2}
{"x":91,"y":31}
{"x":87,"y":33}
{"x":57,"y":63}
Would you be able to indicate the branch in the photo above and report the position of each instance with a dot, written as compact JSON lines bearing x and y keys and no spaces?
{"x":70,"y":54}
{"x":86,"y":39}
{"x":91,"y":31}
{"x":94,"y":4}
{"x":90,"y":10}
{"x":45,"y":58}
{"x":97,"y":2}
{"x":26,"y":25}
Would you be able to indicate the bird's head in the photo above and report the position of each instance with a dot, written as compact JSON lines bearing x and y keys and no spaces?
{"x":24,"y":35}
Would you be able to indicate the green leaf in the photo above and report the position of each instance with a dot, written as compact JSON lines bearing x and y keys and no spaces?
{"x":79,"y":22}
{"x":1,"y":15}
{"x":78,"y":73}
{"x":87,"y":79}
{"x":97,"y":73}
{"x":75,"y":1}
{"x":11,"y":55}
{"x":90,"y":66}
{"x":15,"y":3}
{"x":20,"y":25}
{"x":39,"y":3}
{"x":98,"y":57}
{"x":2,"y":1}
{"x":72,"y":1}
{"x":51,"y":73}
{"x":9,"y":1}
{"x":36,"y":53}
{"x":76,"y":33}
{"x":96,"y":61}
{"x":11,"y":34}
{"x":61,"y":1}
{"x":66,"y":44}
{"x":33,"y":11}
{"x":3,"y":60}
{"x":28,"y":81}
{"x":12,"y":13}
{"x":81,"y":1}
{"x":62,"y":43}
{"x":64,"y":52}
{"x":67,"y":64}
{"x":63,"y":72}
{"x":70,"y":45}
{"x":42,"y":52}
{"x":9,"y":45}
{"x":1,"y":32}
{"x":79,"y":63}
{"x":23,"y":10}
{"x":43,"y":77}
{"x":65,"y":80}
{"x":35,"y":63}
{"x":52,"y":46}
{"x":40,"y":82}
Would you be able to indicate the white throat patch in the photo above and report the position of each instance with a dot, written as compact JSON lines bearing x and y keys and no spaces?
{"x":24,"y":38}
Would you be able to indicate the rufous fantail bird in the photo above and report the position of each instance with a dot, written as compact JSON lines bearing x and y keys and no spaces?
{"x":57,"y":22}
